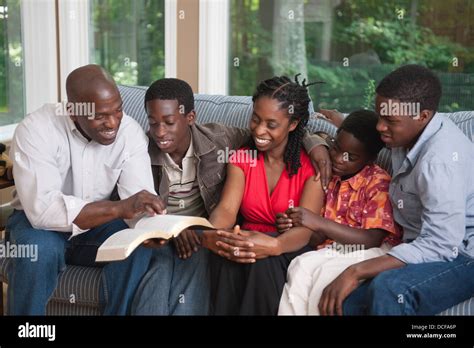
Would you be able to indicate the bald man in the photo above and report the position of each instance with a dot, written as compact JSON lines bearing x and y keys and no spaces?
{"x":67,"y":160}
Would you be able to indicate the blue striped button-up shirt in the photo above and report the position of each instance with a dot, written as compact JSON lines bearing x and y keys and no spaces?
{"x":432,"y":194}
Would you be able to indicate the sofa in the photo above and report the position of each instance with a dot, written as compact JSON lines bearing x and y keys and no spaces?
{"x":83,"y":282}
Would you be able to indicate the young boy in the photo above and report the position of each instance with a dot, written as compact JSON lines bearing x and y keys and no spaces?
{"x":357,"y":213}
{"x":432,"y":192}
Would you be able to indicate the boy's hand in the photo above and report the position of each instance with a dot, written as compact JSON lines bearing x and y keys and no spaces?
{"x":283,"y":222}
{"x":186,"y":243}
{"x":302,"y":217}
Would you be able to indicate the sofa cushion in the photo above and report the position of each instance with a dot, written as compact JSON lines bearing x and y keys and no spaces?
{"x":77,"y":285}
{"x":133,"y":98}
{"x":464,"y":120}
{"x":62,"y":308}
{"x":4,"y":265}
{"x":231,"y":110}
{"x":463,"y":308}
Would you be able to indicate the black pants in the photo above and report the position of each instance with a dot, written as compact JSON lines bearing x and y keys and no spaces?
{"x":249,"y":289}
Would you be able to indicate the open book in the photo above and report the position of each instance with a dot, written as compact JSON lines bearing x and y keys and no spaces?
{"x":121,"y":244}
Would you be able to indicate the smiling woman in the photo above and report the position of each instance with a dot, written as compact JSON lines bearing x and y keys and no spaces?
{"x":249,"y":269}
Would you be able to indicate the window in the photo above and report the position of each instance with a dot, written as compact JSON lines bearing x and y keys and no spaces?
{"x":11,"y":63}
{"x":127,"y":39}
{"x":351,"y":45}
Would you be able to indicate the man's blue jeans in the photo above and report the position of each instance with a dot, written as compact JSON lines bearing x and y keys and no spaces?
{"x":31,"y":282}
{"x":416,"y":289}
{"x":174,"y":286}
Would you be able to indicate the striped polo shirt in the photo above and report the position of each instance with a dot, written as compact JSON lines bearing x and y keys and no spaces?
{"x":184,"y":196}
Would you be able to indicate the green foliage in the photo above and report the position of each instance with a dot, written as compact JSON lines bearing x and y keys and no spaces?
{"x":398,"y":31}
{"x":251,"y":47}
{"x":12,"y":107}
{"x":401,"y":42}
{"x":129,"y":39}
{"x":369,"y":95}
{"x":339,"y":87}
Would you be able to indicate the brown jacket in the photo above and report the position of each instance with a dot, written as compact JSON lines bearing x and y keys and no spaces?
{"x":208,"y":139}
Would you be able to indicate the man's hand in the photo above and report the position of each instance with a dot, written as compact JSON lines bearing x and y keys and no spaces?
{"x":140,"y":203}
{"x":333,"y":116}
{"x":340,"y":288}
{"x":186,"y":243}
{"x":247,"y":246}
{"x":337,"y":291}
{"x":320,"y":156}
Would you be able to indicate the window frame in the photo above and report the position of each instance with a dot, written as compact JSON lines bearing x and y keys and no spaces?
{"x":55,"y":41}
{"x":214,"y":23}
{"x":38,"y":32}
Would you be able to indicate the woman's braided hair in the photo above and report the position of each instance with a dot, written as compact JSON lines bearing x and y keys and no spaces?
{"x":293,"y":96}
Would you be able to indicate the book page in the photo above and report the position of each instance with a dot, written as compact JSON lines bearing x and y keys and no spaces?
{"x":171,"y":225}
{"x":124,"y":238}
{"x":121,"y":244}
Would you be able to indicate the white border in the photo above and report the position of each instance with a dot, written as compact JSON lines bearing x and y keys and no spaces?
{"x":213,"y":46}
